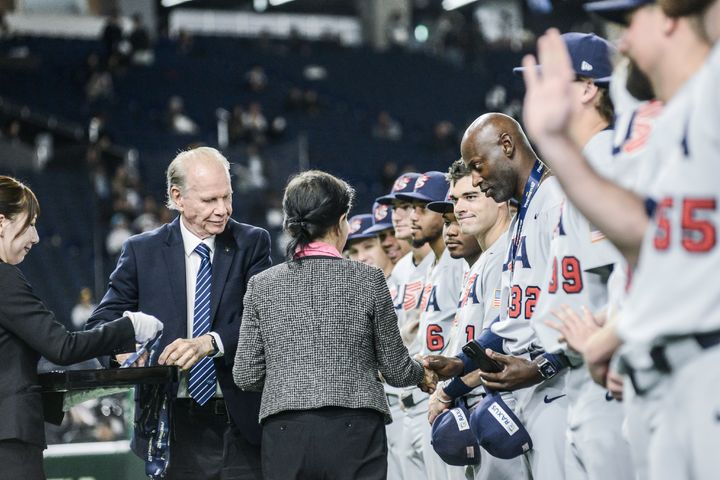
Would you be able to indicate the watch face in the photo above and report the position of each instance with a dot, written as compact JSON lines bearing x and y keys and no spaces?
{"x":546,"y":368}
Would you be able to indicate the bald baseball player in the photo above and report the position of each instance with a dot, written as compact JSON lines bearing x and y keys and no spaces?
{"x":653,"y":320}
{"x":487,"y":221}
{"x":504,"y":166}
{"x":438,"y":304}
{"x":581,"y":262}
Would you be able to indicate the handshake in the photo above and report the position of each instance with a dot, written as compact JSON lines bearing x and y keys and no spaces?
{"x":438,"y":368}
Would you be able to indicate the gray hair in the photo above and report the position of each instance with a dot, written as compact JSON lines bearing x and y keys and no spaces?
{"x":176,"y":172}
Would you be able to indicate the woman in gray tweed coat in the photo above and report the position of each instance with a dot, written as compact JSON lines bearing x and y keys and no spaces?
{"x":315,"y":332}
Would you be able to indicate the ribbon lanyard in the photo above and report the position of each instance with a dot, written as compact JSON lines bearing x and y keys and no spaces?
{"x":531,"y":187}
{"x":154,"y":421}
{"x":133,"y":357}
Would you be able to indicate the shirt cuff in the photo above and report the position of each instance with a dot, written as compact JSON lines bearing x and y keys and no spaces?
{"x":221,"y":348}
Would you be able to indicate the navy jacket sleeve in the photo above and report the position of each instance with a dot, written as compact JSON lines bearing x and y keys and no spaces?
{"x":258,"y":261}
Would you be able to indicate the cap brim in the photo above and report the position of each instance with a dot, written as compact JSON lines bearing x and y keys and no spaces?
{"x":614,"y":10}
{"x":377,"y":228}
{"x":604,"y":81}
{"x":413,"y":197}
{"x":357,"y":236}
{"x":386,"y":199}
{"x":441,"y":207}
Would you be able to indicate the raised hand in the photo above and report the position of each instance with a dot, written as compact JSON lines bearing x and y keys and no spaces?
{"x":575,"y":330}
{"x":445,"y":367}
{"x":548,"y":106}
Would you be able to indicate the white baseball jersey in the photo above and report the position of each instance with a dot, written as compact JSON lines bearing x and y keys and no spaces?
{"x":632,"y":135}
{"x":408,"y":300}
{"x":396,"y":284}
{"x":522,"y":281}
{"x":581,"y":257}
{"x":439,"y":303}
{"x":673,"y":292}
{"x":480,"y":298}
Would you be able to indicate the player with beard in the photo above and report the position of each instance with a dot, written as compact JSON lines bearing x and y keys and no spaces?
{"x":438,"y":305}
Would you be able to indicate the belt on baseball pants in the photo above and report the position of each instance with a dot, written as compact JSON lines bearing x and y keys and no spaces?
{"x":392,"y":398}
{"x":671,"y":355}
{"x":413,"y":398}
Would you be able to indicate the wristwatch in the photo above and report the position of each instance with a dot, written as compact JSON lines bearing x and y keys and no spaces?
{"x":546,"y":368}
{"x":216,"y":349}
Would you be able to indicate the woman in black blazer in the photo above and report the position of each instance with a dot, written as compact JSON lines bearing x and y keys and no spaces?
{"x":28,"y":330}
{"x":314,"y":334}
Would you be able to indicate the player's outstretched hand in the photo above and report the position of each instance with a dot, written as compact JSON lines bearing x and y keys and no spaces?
{"x":439,"y":402}
{"x":516,"y":373}
{"x":429,"y":382}
{"x":548,"y":106}
{"x":574,"y":329}
{"x":445,"y":367}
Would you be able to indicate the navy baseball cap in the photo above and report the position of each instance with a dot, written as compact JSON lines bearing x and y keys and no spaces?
{"x":429,"y":187}
{"x":382,"y":219}
{"x":497,"y":429}
{"x":591,"y":56}
{"x":358,"y":225}
{"x":444,"y":206}
{"x":452,"y":438}
{"x":616,"y":10}
{"x":403,"y":184}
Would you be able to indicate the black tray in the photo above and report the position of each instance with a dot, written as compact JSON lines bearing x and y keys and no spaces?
{"x":65,"y":380}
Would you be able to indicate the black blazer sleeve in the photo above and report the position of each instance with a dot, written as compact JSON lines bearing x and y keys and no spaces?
{"x":24,"y":315}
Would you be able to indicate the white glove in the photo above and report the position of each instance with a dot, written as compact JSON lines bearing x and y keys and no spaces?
{"x":146,"y":326}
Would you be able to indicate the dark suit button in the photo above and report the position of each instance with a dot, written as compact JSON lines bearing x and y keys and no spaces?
{"x":348,"y":424}
{"x":283,"y":427}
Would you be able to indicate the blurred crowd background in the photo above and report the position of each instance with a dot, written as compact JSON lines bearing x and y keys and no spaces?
{"x":97,"y":96}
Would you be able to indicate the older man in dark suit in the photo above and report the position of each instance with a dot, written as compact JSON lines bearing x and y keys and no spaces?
{"x":192,"y":274}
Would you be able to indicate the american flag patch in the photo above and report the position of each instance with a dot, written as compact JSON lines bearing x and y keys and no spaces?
{"x":497,"y":294}
{"x":412,"y":295}
{"x":596,"y":235}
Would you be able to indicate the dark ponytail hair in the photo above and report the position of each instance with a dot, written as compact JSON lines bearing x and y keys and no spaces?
{"x":313,"y":203}
{"x":16,"y":199}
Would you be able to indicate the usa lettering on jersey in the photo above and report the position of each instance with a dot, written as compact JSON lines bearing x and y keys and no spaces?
{"x":412,"y":295}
